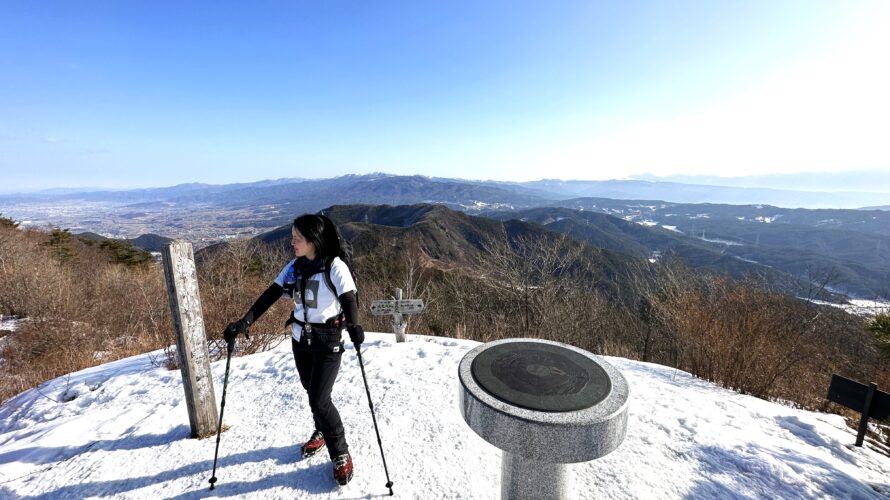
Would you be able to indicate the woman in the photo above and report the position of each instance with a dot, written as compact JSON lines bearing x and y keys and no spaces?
{"x":323,"y":309}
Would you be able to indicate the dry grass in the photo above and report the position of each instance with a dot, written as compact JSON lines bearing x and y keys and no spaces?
{"x":82,"y":308}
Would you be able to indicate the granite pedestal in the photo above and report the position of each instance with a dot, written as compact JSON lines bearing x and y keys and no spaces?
{"x":545,"y":404}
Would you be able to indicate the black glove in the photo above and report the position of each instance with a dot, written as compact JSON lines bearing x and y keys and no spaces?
{"x":356,"y":334}
{"x":234,"y":329}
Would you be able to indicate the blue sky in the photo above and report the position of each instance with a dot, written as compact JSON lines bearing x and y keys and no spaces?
{"x":155,"y":93}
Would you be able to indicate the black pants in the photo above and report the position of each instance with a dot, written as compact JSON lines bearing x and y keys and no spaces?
{"x":318,"y":366}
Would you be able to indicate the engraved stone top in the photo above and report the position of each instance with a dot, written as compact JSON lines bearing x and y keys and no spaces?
{"x":543,"y":400}
{"x":542,"y":377}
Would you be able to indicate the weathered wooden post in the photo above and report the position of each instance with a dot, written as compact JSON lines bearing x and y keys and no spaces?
{"x":398,"y":308}
{"x":191,"y":342}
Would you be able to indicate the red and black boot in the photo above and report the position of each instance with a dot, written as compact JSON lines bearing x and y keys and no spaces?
{"x":315,"y":443}
{"x":342,"y":469}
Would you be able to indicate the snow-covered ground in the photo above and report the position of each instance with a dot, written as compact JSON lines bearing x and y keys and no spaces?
{"x":861,"y":307}
{"x":125,"y":434}
{"x":868,"y":307}
{"x":8,"y":323}
{"x":719,"y":240}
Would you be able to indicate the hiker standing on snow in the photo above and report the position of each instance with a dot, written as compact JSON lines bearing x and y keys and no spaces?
{"x":324,"y":295}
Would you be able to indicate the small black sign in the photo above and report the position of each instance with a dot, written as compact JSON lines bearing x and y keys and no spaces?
{"x":866,"y":399}
{"x":852,"y":394}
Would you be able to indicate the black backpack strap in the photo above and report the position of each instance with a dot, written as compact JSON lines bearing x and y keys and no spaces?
{"x":303,"y":299}
{"x":328,"y":263}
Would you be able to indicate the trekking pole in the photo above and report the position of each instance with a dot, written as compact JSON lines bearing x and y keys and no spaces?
{"x":222,"y":408}
{"x":371,"y":405}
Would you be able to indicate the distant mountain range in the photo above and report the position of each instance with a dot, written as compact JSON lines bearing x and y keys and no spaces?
{"x":790,"y":245}
{"x":458,"y":193}
{"x":861,"y":181}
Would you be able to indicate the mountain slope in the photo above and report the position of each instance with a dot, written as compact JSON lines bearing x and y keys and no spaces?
{"x":123,"y":433}
{"x":697,"y":193}
{"x":147,"y":242}
{"x":449,"y":238}
{"x":875,"y":222}
{"x":846,"y":245}
{"x":651,"y":241}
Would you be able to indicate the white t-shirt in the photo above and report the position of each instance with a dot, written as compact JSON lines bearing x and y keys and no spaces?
{"x":321,"y":304}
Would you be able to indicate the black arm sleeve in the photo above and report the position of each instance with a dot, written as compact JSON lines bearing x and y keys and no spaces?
{"x":349,"y":303}
{"x":262,"y":304}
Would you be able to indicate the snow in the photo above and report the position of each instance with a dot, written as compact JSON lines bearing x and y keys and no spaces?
{"x":8,"y":323}
{"x":671,"y":228}
{"x":860,"y":307}
{"x":124,"y":433}
{"x":870,"y":307}
{"x":747,"y":260}
{"x":767,"y":220}
{"x":554,"y":221}
{"x":719,"y":240}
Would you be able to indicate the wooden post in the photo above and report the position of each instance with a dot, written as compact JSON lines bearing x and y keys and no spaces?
{"x":191,"y":342}
{"x":398,"y":308}
{"x":399,"y":325}
{"x":863,"y":422}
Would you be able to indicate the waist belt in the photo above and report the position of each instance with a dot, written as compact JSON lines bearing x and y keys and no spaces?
{"x":331,"y":327}
{"x":321,"y":333}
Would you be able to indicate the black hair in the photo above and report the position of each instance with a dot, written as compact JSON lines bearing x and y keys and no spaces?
{"x":312,"y":228}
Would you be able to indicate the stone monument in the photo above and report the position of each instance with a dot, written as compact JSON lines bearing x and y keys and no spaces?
{"x":545,"y":404}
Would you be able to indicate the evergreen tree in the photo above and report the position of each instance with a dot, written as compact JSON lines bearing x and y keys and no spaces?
{"x":879,"y":326}
{"x":125,"y":253}
{"x":8,"y":223}
{"x":60,"y":241}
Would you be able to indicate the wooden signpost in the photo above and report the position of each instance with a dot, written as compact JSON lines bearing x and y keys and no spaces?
{"x":191,"y":342}
{"x":398,"y":308}
{"x":866,"y":399}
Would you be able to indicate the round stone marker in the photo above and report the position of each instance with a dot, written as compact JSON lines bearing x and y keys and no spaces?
{"x":541,"y":377}
{"x":544,"y":404}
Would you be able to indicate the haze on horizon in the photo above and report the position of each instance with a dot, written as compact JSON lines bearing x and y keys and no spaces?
{"x":120,"y":95}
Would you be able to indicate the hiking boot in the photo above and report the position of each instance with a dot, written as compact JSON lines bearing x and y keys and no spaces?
{"x":315,"y":443}
{"x":342,"y":468}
